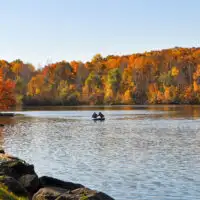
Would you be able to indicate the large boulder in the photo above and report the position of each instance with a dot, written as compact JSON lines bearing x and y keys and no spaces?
{"x":54,"y":193}
{"x":48,"y":193}
{"x":21,"y":171}
{"x":15,"y":168}
{"x":13,"y":186}
{"x":30,"y":182}
{"x":46,"y":181}
{"x":84,"y":194}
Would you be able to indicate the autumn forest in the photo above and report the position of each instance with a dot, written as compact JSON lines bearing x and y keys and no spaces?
{"x":170,"y":76}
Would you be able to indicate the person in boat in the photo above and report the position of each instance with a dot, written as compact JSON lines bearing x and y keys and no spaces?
{"x":94,"y":115}
{"x":101,"y":115}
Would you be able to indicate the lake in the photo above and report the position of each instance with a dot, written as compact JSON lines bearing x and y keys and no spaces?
{"x":138,"y":152}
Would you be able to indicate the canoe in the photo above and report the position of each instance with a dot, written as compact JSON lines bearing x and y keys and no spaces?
{"x":98,"y":119}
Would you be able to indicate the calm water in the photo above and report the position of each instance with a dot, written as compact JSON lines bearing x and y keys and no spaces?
{"x":140,"y":153}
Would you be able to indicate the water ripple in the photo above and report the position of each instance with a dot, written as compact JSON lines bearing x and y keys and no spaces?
{"x":137,"y":154}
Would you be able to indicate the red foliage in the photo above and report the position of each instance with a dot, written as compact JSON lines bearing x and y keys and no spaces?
{"x":7,"y":97}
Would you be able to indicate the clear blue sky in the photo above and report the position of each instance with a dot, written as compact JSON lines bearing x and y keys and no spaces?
{"x":40,"y":30}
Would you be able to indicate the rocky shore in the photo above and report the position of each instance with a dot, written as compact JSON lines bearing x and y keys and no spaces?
{"x":18,"y":181}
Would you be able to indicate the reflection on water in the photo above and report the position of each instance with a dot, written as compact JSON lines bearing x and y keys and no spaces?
{"x":174,"y":111}
{"x":137,"y":153}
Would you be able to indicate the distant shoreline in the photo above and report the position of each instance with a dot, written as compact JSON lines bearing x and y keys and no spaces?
{"x":168,"y":76}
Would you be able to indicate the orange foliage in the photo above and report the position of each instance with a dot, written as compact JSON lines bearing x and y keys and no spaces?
{"x":195,"y":86}
{"x":156,"y":77}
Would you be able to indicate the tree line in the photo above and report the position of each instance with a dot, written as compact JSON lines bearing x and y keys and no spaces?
{"x":169,"y":76}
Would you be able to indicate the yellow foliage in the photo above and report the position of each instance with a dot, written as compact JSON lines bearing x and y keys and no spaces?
{"x":17,"y":67}
{"x":35,"y":85}
{"x":108,"y":94}
{"x":175,"y":71}
{"x":37,"y":91}
{"x":128,"y":96}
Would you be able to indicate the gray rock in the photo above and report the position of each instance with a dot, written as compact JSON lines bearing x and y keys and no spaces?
{"x":54,"y":193}
{"x":84,"y":194}
{"x":30,"y":182}
{"x":46,"y":181}
{"x":16,"y":168}
{"x":49,"y":193}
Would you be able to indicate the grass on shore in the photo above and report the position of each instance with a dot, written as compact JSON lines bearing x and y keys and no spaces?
{"x":5,"y":194}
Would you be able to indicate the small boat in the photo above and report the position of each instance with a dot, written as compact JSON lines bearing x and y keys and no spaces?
{"x":98,"y":119}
